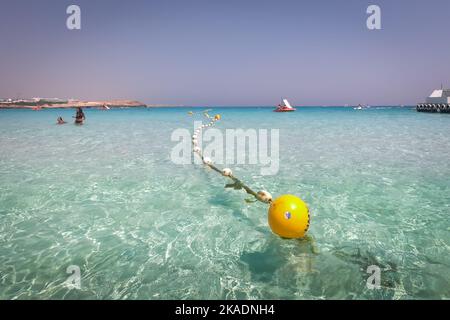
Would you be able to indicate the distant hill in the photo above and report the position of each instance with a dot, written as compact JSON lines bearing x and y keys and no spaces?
{"x":70,"y":104}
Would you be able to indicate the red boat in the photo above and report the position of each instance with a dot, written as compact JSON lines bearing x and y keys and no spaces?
{"x":284,"y":106}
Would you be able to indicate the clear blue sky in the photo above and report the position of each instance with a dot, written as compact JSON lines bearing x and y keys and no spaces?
{"x":226,"y":52}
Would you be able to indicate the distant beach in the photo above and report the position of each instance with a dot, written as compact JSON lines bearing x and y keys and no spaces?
{"x":70,"y":104}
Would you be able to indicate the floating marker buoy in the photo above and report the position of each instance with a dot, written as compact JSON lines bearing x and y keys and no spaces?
{"x":227,"y":172}
{"x":289,"y":217}
{"x":265,"y":196}
{"x":207,"y":160}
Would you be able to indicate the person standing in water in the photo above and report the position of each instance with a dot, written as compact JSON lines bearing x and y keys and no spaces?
{"x":79,"y":117}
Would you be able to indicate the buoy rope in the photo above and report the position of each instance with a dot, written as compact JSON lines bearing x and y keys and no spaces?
{"x":262,"y":196}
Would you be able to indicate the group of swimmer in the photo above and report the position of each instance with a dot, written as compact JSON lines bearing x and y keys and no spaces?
{"x":79,"y":117}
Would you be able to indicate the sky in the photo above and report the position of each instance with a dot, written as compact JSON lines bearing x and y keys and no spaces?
{"x":226,"y":52}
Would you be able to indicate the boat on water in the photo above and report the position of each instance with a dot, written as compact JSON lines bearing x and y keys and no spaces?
{"x":284,"y":106}
{"x":361,"y":107}
{"x":105,"y":107}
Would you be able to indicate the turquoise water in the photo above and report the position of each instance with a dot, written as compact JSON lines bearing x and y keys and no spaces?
{"x":106,"y":197}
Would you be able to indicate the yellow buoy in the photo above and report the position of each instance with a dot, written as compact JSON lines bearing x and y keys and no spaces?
{"x":217,"y":117}
{"x":289,"y":217}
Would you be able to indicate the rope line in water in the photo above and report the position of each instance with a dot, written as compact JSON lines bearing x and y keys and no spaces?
{"x":262,"y":196}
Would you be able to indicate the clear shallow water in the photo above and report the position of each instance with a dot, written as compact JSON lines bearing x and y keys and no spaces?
{"x":106,"y":197}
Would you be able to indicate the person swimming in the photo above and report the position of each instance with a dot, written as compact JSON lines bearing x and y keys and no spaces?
{"x":60,"y":120}
{"x":79,"y":117}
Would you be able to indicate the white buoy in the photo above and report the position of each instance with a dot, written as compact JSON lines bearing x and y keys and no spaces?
{"x":207,"y":160}
{"x":196,"y":149}
{"x":194,"y":141}
{"x":227,"y":172}
{"x":264,"y":196}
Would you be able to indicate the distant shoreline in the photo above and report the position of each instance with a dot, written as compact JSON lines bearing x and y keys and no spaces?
{"x":75,"y":104}
{"x":117,"y":104}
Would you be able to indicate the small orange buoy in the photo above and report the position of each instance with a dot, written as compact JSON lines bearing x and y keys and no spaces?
{"x":289,"y":217}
